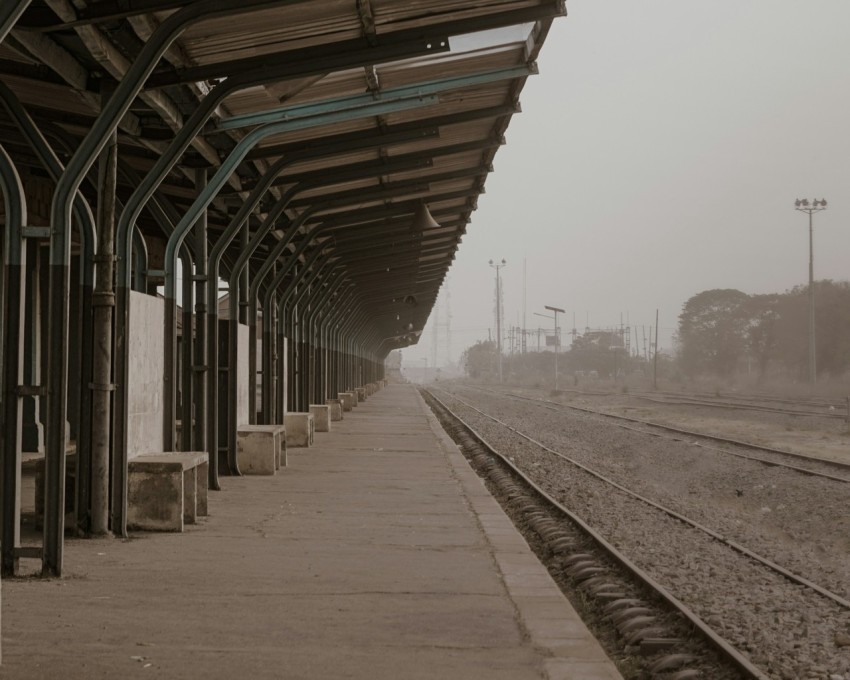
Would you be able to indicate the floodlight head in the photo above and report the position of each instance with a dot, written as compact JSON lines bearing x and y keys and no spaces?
{"x":805,"y":202}
{"x":823,"y":202}
{"x":797,"y":202}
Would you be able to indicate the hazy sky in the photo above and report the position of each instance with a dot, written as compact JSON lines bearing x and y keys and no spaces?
{"x":658,"y":155}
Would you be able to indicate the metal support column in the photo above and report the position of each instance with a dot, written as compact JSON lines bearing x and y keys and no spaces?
{"x":14,"y":266}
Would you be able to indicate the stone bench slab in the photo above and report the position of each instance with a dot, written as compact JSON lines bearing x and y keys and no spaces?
{"x":260,"y":449}
{"x":335,"y":407}
{"x":167,"y":490}
{"x":300,"y":429}
{"x":321,"y":417}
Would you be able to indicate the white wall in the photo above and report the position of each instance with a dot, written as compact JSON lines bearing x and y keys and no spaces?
{"x":146,"y":374}
{"x":242,"y":376}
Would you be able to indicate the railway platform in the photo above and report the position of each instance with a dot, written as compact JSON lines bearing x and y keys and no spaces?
{"x":377,"y":553}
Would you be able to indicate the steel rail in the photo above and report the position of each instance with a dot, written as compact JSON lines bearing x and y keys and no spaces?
{"x":717,"y":438}
{"x":727,"y":650}
{"x":688,"y":401}
{"x":791,"y":576}
{"x":816,"y":401}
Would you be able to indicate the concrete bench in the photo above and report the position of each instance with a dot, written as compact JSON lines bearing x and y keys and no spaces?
{"x":361,"y":393}
{"x":335,"y":406}
{"x":347,"y":399}
{"x":300,"y":429}
{"x":260,"y":449}
{"x":321,"y":417}
{"x":166,"y":490}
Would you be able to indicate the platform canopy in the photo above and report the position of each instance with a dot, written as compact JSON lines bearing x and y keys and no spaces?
{"x":383,"y":111}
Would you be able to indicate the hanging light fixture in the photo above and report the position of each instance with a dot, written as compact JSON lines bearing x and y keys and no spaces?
{"x":423,"y":219}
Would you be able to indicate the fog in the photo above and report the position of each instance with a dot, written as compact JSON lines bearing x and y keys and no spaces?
{"x":659,"y":154}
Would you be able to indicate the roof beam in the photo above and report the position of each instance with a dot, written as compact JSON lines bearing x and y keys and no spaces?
{"x":436,"y":32}
{"x":390,"y":161}
{"x":70,"y":71}
{"x":107,"y":10}
{"x":117,"y":65}
{"x":389,"y":130}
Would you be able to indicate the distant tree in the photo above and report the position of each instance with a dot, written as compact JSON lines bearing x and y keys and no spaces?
{"x":713,"y":331}
{"x":832,"y":328}
{"x":478,"y":360}
{"x":763,"y":316}
{"x":600,"y":351}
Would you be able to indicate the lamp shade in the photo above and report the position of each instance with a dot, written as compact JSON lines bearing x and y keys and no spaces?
{"x":423,"y":219}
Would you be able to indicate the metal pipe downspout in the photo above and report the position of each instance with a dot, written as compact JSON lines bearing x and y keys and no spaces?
{"x":187,"y":376}
{"x":103,"y":302}
{"x":200,"y":362}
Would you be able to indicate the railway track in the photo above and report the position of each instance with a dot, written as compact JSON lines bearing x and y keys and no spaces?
{"x":820,"y":408}
{"x":544,"y":475}
{"x":679,"y":400}
{"x":818,"y":467}
{"x":634,"y":604}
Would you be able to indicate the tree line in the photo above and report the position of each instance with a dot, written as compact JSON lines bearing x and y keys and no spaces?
{"x":725,"y":331}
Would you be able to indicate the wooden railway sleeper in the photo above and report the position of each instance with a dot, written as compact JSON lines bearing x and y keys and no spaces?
{"x":634,"y":623}
{"x":653,"y":645}
{"x":652,"y":632}
{"x":670,"y":662}
{"x":688,"y":674}
{"x":625,"y":602}
{"x":628,"y":612}
{"x":602,"y":584}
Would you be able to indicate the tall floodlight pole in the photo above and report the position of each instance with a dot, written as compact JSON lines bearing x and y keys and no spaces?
{"x":497,"y":266}
{"x":816,"y":205}
{"x":557,"y":339}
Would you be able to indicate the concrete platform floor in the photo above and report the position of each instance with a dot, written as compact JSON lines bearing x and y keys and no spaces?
{"x":378,"y":553}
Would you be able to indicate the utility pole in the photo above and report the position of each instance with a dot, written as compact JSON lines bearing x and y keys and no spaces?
{"x":556,"y":311}
{"x":523,"y":304}
{"x":557,"y":340}
{"x":497,"y":266}
{"x":655,"y":367}
{"x":815,"y":206}
{"x":448,"y":327}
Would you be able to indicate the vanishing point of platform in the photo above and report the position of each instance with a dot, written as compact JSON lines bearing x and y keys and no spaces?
{"x":377,"y":553}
